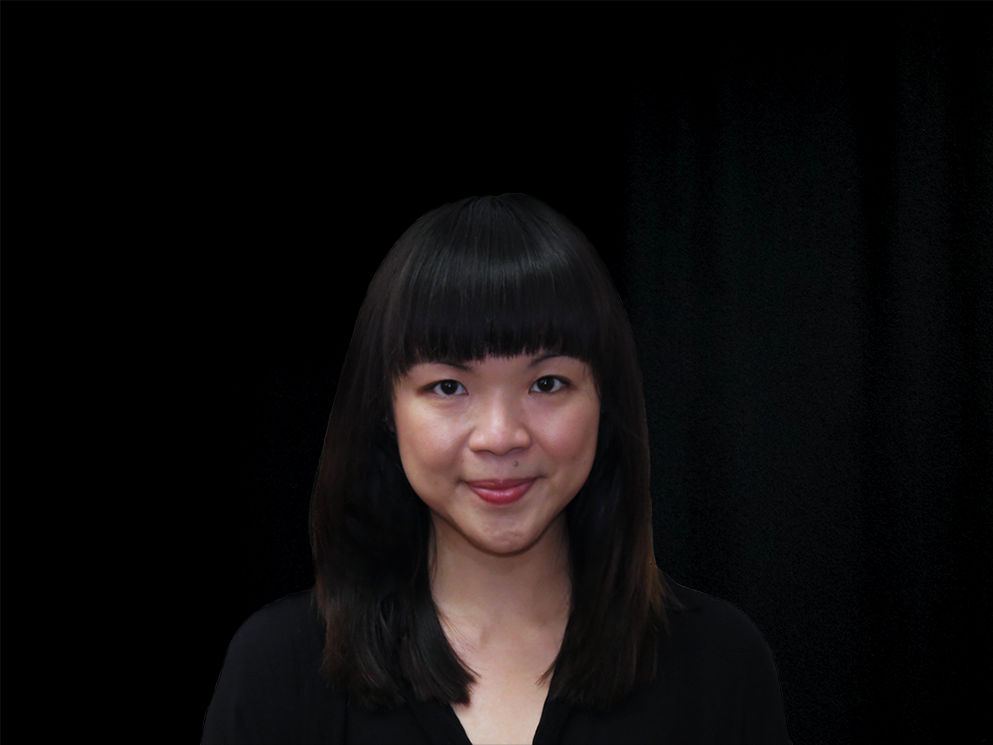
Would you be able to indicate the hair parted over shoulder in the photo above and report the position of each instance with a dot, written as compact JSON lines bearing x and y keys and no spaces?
{"x":482,"y":276}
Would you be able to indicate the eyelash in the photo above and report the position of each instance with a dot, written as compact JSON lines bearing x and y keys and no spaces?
{"x":434,"y":388}
{"x":559,"y":383}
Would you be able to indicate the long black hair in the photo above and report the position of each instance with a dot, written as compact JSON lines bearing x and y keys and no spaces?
{"x":482,"y":276}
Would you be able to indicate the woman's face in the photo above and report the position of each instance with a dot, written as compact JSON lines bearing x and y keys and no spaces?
{"x":497,"y":448}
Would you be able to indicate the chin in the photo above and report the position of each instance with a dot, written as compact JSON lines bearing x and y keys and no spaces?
{"x":503,"y":547}
{"x":509,"y":543}
{"x":506,"y":551}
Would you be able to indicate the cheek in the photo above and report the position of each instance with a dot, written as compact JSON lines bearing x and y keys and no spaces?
{"x":575,"y":439}
{"x":426,"y":446}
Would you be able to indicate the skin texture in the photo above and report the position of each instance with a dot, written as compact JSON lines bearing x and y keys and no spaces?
{"x":500,"y":573}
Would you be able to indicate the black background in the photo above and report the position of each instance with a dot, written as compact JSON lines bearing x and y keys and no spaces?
{"x":796,"y":205}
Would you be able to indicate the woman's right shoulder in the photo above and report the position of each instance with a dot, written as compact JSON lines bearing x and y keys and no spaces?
{"x":270,"y":688}
{"x":288,"y":629}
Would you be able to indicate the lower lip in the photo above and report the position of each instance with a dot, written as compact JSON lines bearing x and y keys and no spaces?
{"x":502,"y":496}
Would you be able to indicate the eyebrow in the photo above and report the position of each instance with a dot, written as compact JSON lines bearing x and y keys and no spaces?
{"x":452,"y":363}
{"x":468,"y":368}
{"x":546,"y":356}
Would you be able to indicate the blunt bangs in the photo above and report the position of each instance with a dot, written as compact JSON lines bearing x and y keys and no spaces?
{"x":494,"y":276}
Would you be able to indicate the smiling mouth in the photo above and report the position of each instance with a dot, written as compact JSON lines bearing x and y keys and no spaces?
{"x":501,"y":491}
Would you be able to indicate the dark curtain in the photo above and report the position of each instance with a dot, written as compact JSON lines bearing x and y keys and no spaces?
{"x":796,"y":206}
{"x":809,"y":234}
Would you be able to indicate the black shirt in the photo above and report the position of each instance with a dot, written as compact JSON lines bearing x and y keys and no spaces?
{"x":716,"y":683}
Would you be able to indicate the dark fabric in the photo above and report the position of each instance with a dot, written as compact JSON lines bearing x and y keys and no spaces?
{"x":717,"y":683}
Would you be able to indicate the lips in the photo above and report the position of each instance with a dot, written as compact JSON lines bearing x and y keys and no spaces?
{"x":501,"y":491}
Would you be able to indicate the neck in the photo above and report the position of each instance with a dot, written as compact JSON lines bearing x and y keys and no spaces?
{"x":479,"y":594}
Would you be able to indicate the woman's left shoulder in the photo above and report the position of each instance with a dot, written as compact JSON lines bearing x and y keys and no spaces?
{"x":698,"y":619}
{"x":717,"y":674}
{"x":716,"y":684}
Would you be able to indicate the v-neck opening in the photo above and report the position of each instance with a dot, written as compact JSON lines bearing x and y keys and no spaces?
{"x":443,"y":726}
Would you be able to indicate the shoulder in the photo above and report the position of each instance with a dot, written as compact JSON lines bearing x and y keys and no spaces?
{"x":270,"y":688}
{"x":716,"y":684}
{"x":717,"y":670}
{"x":704,"y":625}
{"x":291,"y":624}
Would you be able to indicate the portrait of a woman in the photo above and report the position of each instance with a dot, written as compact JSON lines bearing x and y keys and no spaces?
{"x":481,"y":524}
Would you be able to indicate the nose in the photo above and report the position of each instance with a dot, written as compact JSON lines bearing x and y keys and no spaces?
{"x":499,"y":428}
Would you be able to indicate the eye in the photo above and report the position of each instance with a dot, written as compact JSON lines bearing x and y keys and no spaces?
{"x":447,"y":388}
{"x":548,"y":384}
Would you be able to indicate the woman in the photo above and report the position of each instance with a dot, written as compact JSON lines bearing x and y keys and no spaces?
{"x":481,"y":524}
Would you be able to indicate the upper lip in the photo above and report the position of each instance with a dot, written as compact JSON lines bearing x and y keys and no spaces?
{"x":498,"y":483}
